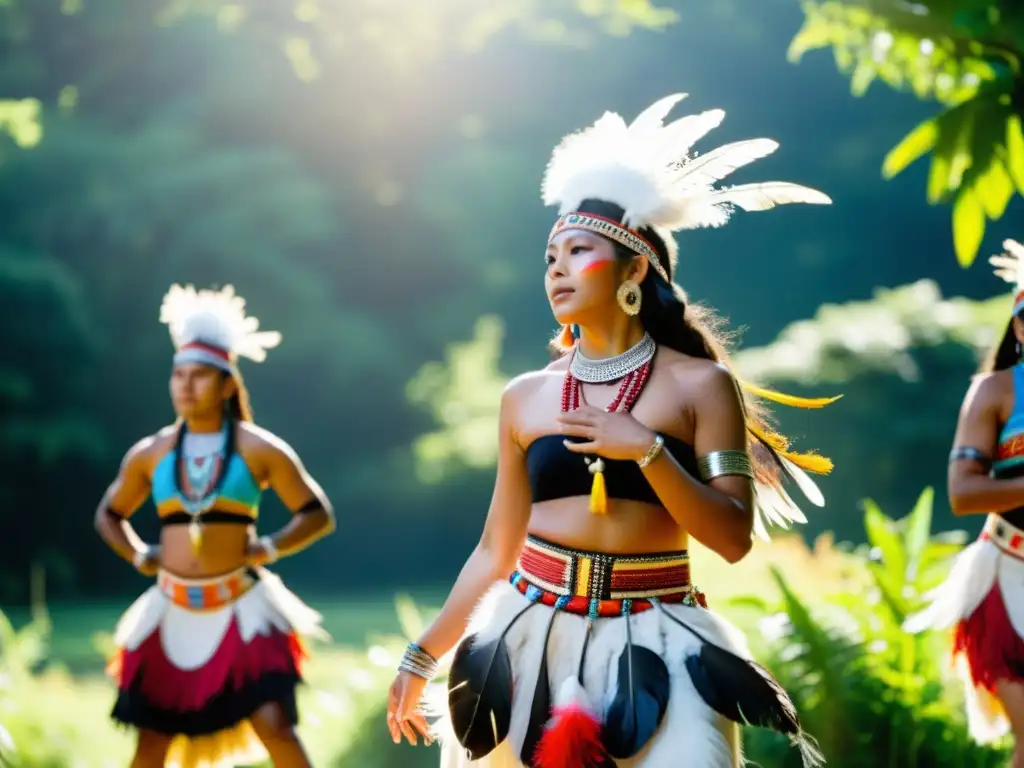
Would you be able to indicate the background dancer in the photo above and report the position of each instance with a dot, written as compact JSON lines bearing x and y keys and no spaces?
{"x":983,"y":596}
{"x":208,"y":657}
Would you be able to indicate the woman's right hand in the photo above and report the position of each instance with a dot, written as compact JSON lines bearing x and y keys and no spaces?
{"x":148,"y":563}
{"x":405,"y":717}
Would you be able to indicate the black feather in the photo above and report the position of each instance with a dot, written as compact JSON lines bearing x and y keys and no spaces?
{"x":737,"y":688}
{"x":742,"y":690}
{"x":640,"y":702}
{"x":540,"y":708}
{"x":480,"y":692}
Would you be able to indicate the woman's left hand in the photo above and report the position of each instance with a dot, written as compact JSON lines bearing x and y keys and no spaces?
{"x":616,"y":436}
{"x":256,"y":555}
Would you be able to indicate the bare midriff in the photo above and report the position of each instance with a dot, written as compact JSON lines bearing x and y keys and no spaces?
{"x":222,"y":551}
{"x":628,"y":528}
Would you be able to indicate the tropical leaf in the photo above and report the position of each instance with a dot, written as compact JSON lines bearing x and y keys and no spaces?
{"x":969,"y":59}
{"x":915,"y":144}
{"x":1015,"y":151}
{"x":968,"y":226}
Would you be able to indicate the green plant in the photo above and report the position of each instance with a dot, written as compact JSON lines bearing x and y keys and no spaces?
{"x":966,"y":54}
{"x":872,"y":694}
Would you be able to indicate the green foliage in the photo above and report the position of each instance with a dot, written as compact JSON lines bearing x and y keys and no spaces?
{"x":903,"y":361}
{"x":967,"y":56}
{"x":881,"y":335}
{"x":315,"y":32}
{"x":21,"y":120}
{"x":872,"y":694}
{"x":461,"y":395}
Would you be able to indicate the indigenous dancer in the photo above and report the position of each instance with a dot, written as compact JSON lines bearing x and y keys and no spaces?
{"x":983,"y":596}
{"x":598,"y":650}
{"x":208,"y":657}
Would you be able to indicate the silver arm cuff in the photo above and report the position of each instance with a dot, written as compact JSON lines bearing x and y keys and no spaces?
{"x":969,"y":453}
{"x":722,"y":463}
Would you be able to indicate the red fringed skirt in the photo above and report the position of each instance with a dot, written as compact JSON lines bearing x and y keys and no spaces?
{"x":992,"y":647}
{"x":197,"y":658}
{"x":982,"y":601}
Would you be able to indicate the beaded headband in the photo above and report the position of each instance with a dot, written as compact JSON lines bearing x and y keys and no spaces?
{"x":204,"y":354}
{"x":613,"y":230}
{"x":211,"y":327}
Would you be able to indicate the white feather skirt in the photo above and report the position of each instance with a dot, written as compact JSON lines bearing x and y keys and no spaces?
{"x":993,"y":562}
{"x":178,"y":667}
{"x":689,"y":727}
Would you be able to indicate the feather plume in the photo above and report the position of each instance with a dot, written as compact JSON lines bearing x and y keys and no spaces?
{"x":705,"y":170}
{"x":573,"y":735}
{"x":216,"y":318}
{"x":646,"y":167}
{"x":774,"y":506}
{"x":790,"y":400}
{"x":767,"y":195}
{"x":480,"y":692}
{"x":640,"y":700}
{"x":1009,"y":265}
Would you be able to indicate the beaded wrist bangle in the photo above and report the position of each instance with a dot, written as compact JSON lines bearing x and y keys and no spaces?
{"x":270,"y":548}
{"x":418,"y":662}
{"x":721,"y":463}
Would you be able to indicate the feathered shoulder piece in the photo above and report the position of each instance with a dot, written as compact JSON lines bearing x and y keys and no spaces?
{"x":213,"y":325}
{"x":648,"y":169}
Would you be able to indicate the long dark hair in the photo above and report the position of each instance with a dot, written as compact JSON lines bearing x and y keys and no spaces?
{"x":239,"y":406}
{"x":1003,"y":355}
{"x":696,"y":330}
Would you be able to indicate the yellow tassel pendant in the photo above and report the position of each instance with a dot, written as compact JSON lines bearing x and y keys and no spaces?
{"x":195,"y":533}
{"x":598,"y":492}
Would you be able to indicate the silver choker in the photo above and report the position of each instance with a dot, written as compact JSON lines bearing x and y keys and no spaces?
{"x":612,"y":368}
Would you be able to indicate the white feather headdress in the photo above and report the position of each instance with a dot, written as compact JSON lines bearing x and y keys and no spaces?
{"x":648,"y":170}
{"x":1009,"y":265}
{"x":211,"y":327}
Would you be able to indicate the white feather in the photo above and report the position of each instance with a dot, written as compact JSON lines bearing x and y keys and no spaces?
{"x":1009,"y":265}
{"x":705,"y":170}
{"x":645,"y":167}
{"x":216,"y":318}
{"x":652,"y":118}
{"x":804,"y":482}
{"x":679,"y":136}
{"x":766,"y":195}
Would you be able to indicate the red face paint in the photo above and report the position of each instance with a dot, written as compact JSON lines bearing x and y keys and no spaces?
{"x":592,"y":262}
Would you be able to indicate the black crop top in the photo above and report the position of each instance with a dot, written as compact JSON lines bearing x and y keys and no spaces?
{"x":558,"y":473}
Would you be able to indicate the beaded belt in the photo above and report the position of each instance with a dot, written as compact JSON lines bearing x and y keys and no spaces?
{"x":1009,"y":538}
{"x":205,"y":594}
{"x":598,"y":584}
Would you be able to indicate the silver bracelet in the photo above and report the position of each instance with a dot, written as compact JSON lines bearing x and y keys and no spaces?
{"x":268,"y":546}
{"x":418,"y":662}
{"x":142,"y":556}
{"x":653,"y":452}
{"x":721,"y":463}
{"x":969,"y":453}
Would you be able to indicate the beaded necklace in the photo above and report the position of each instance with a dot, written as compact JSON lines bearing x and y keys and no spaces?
{"x":198,"y":478}
{"x":632,"y":385}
